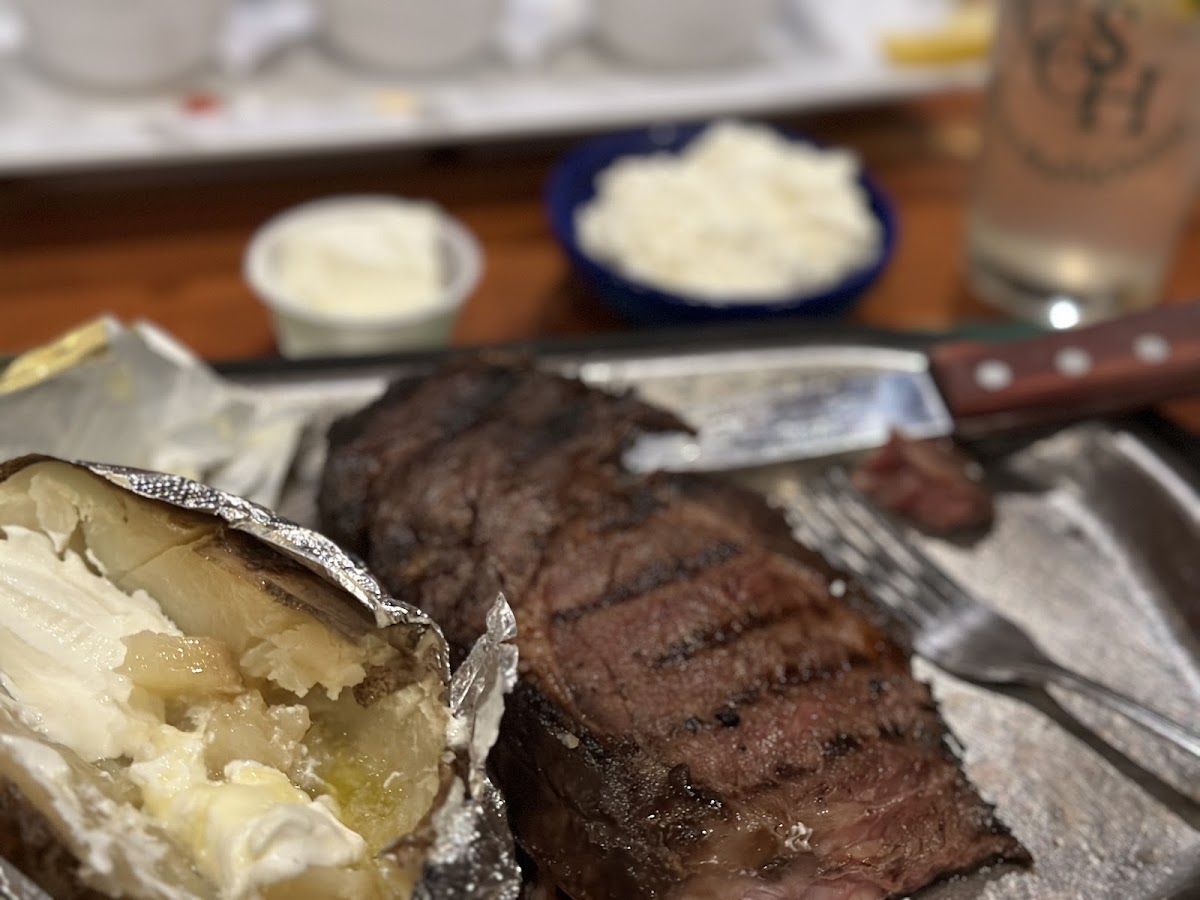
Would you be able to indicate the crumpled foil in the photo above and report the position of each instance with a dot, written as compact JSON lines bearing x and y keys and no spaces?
{"x":455,"y":871}
{"x":15,"y":886}
{"x":472,"y":855}
{"x":133,"y":396}
{"x":486,"y":675}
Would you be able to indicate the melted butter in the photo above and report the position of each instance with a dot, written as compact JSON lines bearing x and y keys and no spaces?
{"x":253,"y":827}
{"x":372,"y":794}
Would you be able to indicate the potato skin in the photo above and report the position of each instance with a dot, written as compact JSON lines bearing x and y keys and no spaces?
{"x":29,"y":842}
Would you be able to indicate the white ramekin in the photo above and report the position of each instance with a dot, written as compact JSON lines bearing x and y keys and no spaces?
{"x":118,"y":45}
{"x":679,"y":33}
{"x":301,"y":332}
{"x":408,"y":34}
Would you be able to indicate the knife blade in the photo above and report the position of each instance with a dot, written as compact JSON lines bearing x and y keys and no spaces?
{"x":965,"y":388}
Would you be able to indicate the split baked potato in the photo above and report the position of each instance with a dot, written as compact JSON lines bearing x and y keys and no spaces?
{"x":188,"y":712}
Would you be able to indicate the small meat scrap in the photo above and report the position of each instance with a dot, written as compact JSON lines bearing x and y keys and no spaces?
{"x":931,"y":483}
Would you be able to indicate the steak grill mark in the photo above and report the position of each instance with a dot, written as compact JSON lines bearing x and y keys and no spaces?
{"x":723,"y":635}
{"x":658,"y":575}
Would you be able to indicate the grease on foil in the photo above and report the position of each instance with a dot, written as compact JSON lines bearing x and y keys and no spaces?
{"x":133,"y":396}
{"x":472,"y":854}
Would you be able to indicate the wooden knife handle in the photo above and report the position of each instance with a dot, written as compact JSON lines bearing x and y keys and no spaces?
{"x":1111,"y":367}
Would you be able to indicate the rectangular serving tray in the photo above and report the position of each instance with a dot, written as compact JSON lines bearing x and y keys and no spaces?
{"x":1094,"y":551}
{"x":301,"y":99}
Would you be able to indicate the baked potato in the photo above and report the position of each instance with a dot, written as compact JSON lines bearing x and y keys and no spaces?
{"x":187,"y":711}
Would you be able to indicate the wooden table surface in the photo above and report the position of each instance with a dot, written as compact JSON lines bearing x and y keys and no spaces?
{"x":167,"y":244}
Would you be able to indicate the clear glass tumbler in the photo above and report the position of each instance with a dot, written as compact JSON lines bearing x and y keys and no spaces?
{"x":1090,"y":157}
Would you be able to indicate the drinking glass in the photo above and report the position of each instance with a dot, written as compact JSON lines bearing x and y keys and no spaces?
{"x":1090,"y":156}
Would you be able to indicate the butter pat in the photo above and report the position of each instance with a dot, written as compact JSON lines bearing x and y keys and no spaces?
{"x":362,"y":262}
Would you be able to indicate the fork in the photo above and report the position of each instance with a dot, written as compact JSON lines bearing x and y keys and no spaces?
{"x":950,"y":627}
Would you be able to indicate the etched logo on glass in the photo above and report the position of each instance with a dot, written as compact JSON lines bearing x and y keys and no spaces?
{"x":1089,"y":68}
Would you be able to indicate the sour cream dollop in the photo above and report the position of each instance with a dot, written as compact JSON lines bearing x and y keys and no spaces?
{"x":362,"y":261}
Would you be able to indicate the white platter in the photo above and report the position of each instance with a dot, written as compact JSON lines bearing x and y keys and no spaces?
{"x":298,"y":99}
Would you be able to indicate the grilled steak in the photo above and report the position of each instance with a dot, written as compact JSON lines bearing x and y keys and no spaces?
{"x":698,"y":714}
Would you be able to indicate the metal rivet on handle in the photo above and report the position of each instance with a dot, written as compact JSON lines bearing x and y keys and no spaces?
{"x":1151,"y":348}
{"x":993,"y":375}
{"x":1074,"y":362}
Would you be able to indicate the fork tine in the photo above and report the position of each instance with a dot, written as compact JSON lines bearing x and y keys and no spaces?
{"x":928,"y":593}
{"x":874,"y":569}
{"x":857,"y":527}
{"x":835,"y":534}
{"x":884,"y":566}
{"x":828,"y":529}
{"x":838,"y":486}
{"x":878,"y":583}
{"x":940,"y":590}
{"x":933,"y":591}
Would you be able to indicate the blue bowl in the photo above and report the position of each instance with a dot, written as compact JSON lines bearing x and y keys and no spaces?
{"x":573,"y":182}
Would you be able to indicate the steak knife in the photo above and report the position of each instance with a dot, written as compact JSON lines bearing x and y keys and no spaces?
{"x":969,"y":389}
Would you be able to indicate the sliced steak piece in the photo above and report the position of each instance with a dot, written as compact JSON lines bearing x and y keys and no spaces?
{"x":698,"y":715}
{"x":931,"y":483}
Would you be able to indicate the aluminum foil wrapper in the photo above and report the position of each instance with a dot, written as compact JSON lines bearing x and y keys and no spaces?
{"x":15,"y":886}
{"x":472,"y":854}
{"x":134,"y":396}
{"x":457,"y":869}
